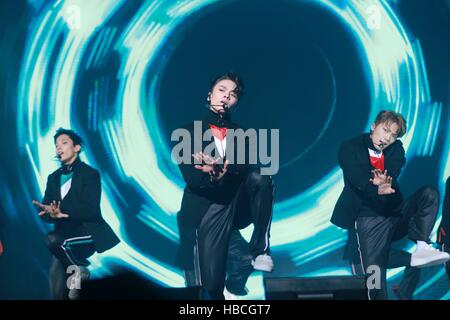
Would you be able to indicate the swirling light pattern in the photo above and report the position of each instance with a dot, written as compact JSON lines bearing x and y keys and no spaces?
{"x":58,"y":55}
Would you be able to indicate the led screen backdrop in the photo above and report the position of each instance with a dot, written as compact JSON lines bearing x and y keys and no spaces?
{"x":125,"y":74}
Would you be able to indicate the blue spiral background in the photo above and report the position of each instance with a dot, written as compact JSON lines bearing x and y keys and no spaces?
{"x":110,"y":80}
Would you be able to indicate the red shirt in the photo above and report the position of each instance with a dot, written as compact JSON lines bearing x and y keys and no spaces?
{"x":377,"y":159}
{"x":218,"y":132}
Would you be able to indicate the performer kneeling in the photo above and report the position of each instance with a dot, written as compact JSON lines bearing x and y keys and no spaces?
{"x":72,"y":203}
{"x":219,"y":200}
{"x":373,"y":205}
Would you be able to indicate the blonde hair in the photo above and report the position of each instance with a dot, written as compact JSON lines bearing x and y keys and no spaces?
{"x":387,"y":116}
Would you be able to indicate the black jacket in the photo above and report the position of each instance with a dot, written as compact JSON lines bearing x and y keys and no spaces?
{"x":82,"y":204}
{"x":358,"y":190}
{"x":200,"y":192}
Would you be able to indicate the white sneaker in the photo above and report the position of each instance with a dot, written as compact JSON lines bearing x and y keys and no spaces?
{"x":263,"y":262}
{"x":228,"y":295}
{"x":428,"y":256}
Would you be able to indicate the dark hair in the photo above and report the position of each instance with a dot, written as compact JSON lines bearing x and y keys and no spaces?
{"x":233,"y":77}
{"x":387,"y":116}
{"x":76,"y":139}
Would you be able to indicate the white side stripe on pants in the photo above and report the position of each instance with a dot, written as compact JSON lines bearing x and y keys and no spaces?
{"x":64,"y":245}
{"x":360,"y":256}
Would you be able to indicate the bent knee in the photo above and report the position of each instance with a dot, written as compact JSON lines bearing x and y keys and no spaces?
{"x":255,"y":178}
{"x":430,"y":192}
{"x":53,"y":240}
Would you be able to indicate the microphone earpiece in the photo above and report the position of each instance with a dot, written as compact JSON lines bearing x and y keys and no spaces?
{"x":225,"y":107}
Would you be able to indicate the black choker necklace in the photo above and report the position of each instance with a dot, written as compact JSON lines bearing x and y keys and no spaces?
{"x":68,"y":168}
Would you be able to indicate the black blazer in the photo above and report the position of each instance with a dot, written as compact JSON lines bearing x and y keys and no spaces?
{"x":358,"y":190}
{"x":82,"y":204}
{"x":200,"y":192}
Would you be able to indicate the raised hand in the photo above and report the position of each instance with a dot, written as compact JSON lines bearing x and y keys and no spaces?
{"x":52,"y":209}
{"x":218,"y":174}
{"x":207,"y":165}
{"x":379,"y":177}
{"x":386,"y":188}
{"x":210,"y":165}
{"x":56,"y":210}
{"x":45,"y":208}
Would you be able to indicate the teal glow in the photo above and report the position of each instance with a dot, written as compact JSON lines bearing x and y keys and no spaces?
{"x":393,"y":63}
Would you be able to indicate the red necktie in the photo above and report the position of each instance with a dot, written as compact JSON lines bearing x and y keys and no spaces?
{"x":377,"y":160}
{"x":218,"y":132}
